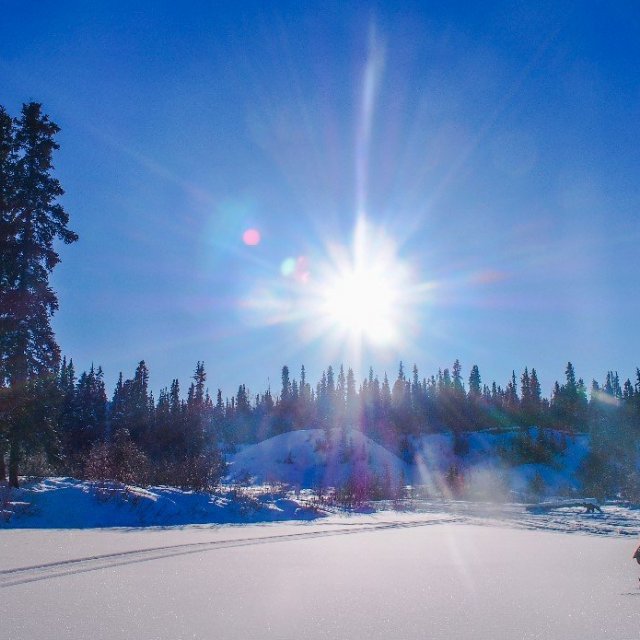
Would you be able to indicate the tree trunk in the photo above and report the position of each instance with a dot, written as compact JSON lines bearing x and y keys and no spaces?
{"x":3,"y":467}
{"x":13,"y":465}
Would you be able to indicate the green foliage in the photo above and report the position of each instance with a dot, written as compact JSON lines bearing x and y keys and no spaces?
{"x":533,"y":446}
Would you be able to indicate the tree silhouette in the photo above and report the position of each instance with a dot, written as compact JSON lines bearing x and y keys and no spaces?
{"x":31,"y":220}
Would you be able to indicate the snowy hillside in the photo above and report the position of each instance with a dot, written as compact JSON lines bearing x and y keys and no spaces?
{"x":495,"y":463}
{"x":492,"y":464}
{"x":307,"y":458}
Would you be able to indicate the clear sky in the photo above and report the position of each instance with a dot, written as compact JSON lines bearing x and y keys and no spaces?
{"x":490,"y":152}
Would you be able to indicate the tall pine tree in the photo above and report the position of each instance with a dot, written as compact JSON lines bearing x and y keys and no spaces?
{"x":31,"y":219}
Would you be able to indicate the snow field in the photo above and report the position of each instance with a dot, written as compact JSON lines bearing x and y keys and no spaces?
{"x":438,"y":580}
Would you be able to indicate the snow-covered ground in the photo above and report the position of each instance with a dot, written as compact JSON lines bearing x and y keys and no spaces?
{"x":384,"y":575}
{"x":79,"y":560}
{"x":65,"y":503}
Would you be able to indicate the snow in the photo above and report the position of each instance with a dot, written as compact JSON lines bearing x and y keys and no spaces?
{"x":81,"y":560}
{"x":299,"y":458}
{"x":307,"y":458}
{"x":69,"y":503}
{"x":65,"y":503}
{"x":384,"y":575}
{"x":267,"y":565}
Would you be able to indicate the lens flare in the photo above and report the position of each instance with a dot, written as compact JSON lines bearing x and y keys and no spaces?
{"x":251,"y":237}
{"x":349,"y":299}
{"x":296,"y":269}
{"x":288,"y":267}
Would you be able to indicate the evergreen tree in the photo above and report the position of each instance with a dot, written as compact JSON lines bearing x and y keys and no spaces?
{"x":131,"y":407}
{"x":196,"y":414}
{"x":340,"y":399}
{"x":475,"y":383}
{"x":569,"y":401}
{"x":31,"y":219}
{"x":458,"y":385}
{"x":67,"y":390}
{"x":401,"y":402}
{"x":141,"y":404}
{"x":86,"y":422}
{"x":218,"y":416}
{"x":284,"y":422}
{"x":352,"y":413}
{"x":304,"y":412}
{"x":511,"y":400}
{"x":475,"y":397}
{"x":285,"y":394}
{"x":385,"y":397}
{"x":243,"y":424}
{"x":535,"y":393}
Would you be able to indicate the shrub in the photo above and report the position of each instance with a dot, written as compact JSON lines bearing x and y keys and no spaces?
{"x":120,"y":460}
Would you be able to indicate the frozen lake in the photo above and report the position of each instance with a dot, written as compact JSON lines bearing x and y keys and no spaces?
{"x":379,"y":576}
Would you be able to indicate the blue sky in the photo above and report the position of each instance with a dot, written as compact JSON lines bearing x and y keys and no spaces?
{"x":494,"y":149}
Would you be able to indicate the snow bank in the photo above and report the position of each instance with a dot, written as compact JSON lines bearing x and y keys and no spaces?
{"x":69,"y":503}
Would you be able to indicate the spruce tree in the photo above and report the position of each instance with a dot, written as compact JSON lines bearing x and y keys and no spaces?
{"x":82,"y":416}
{"x":535,"y":396}
{"x":475,"y":382}
{"x":352,"y":400}
{"x":196,"y":418}
{"x":31,"y":219}
{"x":458,"y":385}
{"x":6,"y":243}
{"x":474,"y":397}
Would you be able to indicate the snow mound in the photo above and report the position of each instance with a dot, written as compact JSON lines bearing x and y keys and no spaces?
{"x":312,"y":458}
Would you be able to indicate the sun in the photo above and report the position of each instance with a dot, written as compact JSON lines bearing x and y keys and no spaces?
{"x":362,"y":303}
{"x":348,"y":298}
{"x":362,"y":294}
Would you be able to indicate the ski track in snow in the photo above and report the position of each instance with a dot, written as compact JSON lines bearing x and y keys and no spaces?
{"x":22,"y":575}
{"x":615,"y":522}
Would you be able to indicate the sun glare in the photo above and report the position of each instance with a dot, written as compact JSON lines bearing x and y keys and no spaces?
{"x":346,"y":298}
{"x":362,"y":294}
{"x":362,"y":303}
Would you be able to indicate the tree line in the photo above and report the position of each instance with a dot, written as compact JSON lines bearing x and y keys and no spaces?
{"x":178,"y":440}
